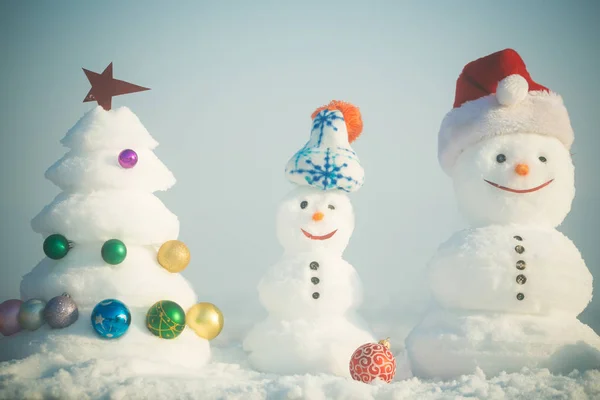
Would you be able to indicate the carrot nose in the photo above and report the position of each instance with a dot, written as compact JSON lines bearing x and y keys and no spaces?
{"x":522,"y":169}
{"x":318,"y":216}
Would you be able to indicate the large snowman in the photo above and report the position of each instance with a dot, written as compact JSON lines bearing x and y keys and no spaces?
{"x":510,"y":288}
{"x":311,"y":293}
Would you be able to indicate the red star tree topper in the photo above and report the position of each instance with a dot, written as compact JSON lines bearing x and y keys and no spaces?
{"x":105,"y":87}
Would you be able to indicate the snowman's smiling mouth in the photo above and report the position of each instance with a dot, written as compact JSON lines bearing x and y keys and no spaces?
{"x":543,"y":185}
{"x":314,"y":237}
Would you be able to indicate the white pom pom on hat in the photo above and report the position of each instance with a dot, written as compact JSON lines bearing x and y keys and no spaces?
{"x":512,"y":90}
{"x":495,"y":95}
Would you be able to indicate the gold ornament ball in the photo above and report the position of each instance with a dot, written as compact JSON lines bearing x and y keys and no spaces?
{"x":174,"y":256}
{"x":206,"y":320}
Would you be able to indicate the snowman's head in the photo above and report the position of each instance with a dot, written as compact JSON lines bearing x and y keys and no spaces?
{"x":515,"y":178}
{"x":311,"y":219}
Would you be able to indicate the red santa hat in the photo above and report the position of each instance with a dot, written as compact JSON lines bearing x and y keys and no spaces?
{"x":495,"y":95}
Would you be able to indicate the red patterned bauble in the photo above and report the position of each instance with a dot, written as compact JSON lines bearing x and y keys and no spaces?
{"x":373,"y":360}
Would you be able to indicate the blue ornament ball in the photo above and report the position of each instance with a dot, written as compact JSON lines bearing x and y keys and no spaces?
{"x":31,"y":314}
{"x":111,"y":318}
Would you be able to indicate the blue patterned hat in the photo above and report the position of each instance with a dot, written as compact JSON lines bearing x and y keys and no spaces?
{"x":327,"y":161}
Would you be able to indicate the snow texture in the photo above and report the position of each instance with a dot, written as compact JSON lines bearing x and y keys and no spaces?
{"x":88,"y":171}
{"x":88,"y":216}
{"x":228,"y":377}
{"x":117,"y":129}
{"x":311,"y":294}
{"x":133,"y":217}
{"x":509,"y":289}
{"x":447,"y":344}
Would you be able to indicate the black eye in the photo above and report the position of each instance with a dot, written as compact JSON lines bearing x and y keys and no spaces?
{"x":331,"y":207}
{"x":500,"y":158}
{"x":304,"y":204}
{"x":543,"y":159}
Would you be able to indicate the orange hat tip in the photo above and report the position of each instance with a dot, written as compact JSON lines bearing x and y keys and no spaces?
{"x":352,"y":117}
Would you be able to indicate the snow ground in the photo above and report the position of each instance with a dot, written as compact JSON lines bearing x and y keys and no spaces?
{"x":228,"y":376}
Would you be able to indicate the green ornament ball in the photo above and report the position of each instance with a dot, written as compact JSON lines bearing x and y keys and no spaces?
{"x":166,"y":319}
{"x":114,"y":251}
{"x":56,"y":246}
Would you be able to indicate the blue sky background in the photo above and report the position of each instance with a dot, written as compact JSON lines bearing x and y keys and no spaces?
{"x":233,"y":86}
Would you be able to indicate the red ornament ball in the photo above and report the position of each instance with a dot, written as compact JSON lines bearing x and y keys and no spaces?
{"x":373,"y":360}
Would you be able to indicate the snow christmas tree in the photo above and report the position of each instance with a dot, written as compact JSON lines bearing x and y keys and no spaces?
{"x":510,"y":288}
{"x":110,"y":284}
{"x":311,"y":294}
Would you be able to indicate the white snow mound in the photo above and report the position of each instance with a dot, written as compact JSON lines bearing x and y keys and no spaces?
{"x":99,"y":170}
{"x":54,"y":376}
{"x":448,"y":344}
{"x":132,"y":217}
{"x":117,"y":129}
{"x":306,"y":345}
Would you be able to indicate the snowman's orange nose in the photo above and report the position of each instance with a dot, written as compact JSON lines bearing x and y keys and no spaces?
{"x":318,"y":216}
{"x":522,"y":169}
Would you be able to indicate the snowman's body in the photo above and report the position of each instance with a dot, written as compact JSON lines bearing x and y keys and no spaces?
{"x":502,"y":307}
{"x":511,"y":268}
{"x":314,"y":283}
{"x":311,"y":293}
{"x":509,"y":289}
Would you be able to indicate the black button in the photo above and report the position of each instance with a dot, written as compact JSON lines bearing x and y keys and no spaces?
{"x":520,"y":296}
{"x":519,"y":238}
{"x":315,"y":280}
{"x":521,"y":279}
{"x":315,"y":295}
{"x":314,"y":265}
{"x":519,"y":249}
{"x":521,"y":264}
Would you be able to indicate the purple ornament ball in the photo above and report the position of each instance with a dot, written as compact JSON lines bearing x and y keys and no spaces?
{"x":9,"y":317}
{"x":128,"y":158}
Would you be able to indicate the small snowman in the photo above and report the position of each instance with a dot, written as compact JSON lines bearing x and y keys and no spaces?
{"x":312,"y":292}
{"x":509,"y":289}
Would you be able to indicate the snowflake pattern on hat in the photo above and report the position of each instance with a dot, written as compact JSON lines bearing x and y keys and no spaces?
{"x":326,"y":161}
{"x":327,"y":173}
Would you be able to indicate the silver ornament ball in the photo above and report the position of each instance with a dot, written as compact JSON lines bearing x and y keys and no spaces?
{"x":61,"y":311}
{"x":31,"y":314}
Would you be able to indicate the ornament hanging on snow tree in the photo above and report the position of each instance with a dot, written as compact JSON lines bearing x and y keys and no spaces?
{"x":114,"y":251}
{"x":31,"y":314}
{"x":56,"y":246}
{"x":166,"y":319}
{"x":61,"y":311}
{"x":9,"y":322}
{"x":111,"y":318}
{"x":373,"y":360}
{"x":174,"y":256}
{"x":128,"y":158}
{"x":206,"y":320}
